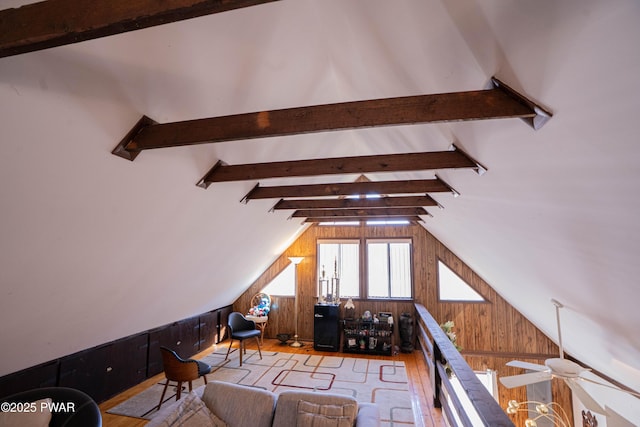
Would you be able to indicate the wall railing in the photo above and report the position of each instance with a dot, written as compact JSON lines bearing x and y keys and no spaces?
{"x":440,"y":353}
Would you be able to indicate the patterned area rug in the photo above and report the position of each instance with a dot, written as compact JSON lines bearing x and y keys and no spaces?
{"x":380,"y":381}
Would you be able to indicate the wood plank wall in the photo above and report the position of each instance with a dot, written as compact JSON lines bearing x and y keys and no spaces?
{"x":491,"y":333}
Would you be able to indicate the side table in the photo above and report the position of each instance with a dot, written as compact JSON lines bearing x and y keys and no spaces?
{"x":261,"y":324}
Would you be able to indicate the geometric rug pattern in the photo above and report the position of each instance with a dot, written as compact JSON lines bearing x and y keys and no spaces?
{"x":383,"y":382}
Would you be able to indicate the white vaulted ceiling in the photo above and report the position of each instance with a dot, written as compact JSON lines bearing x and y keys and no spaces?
{"x":94,"y":247}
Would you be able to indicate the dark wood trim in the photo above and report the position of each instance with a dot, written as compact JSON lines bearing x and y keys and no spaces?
{"x":500,"y":102}
{"x":340,"y":165}
{"x":436,"y":185}
{"x":52,"y":23}
{"x":362,"y":213}
{"x":382,"y":202}
{"x":489,"y":411}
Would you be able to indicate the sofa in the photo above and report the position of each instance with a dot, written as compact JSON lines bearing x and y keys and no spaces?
{"x":223,"y":404}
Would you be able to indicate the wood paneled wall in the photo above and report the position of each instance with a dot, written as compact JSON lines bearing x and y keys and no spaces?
{"x":491,"y":333}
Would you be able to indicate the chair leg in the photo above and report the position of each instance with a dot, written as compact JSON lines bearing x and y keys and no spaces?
{"x":179,"y":390}
{"x":164,"y":390}
{"x":205,"y":378}
{"x":190,"y":387}
{"x":229,"y":349}
{"x":259,"y":352}
{"x":240,"y":351}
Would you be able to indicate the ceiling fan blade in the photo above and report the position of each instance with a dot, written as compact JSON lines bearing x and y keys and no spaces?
{"x":527,"y":365}
{"x":584,"y":397}
{"x":524,"y":379}
{"x":616,"y":420}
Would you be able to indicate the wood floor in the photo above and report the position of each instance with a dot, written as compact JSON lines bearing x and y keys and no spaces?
{"x":424,"y":413}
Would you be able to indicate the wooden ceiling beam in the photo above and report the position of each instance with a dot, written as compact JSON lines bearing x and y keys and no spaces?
{"x":433,"y":160}
{"x":350,"y":213}
{"x":52,"y":23}
{"x":436,"y":185}
{"x":359,"y":203}
{"x":410,"y":219}
{"x":500,"y":102}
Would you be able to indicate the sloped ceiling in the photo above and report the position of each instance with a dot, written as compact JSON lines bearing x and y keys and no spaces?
{"x":95,"y":247}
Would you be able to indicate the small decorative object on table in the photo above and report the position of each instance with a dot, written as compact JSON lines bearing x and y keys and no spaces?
{"x":261,"y":305}
{"x":385,"y":316}
{"x":259,"y":313}
{"x":349,"y":310}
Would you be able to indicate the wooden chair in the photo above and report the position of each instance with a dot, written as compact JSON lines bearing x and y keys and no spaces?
{"x":240,"y":328}
{"x":181,"y":370}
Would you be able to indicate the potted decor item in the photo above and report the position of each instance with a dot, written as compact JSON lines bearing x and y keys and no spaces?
{"x":349,"y":310}
{"x":406,"y":333}
{"x":447,"y":328}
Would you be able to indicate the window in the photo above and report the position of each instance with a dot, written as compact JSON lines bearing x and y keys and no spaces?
{"x":389,"y":269}
{"x":283,"y":284}
{"x":452,"y":287}
{"x":343,"y":257}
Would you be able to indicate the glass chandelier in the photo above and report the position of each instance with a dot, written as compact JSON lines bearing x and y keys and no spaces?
{"x":550,"y":411}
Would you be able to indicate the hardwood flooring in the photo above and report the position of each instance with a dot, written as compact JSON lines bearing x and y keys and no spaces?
{"x":424,"y":413}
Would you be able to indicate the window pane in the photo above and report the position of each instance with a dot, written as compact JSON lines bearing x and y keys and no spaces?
{"x":346,"y":256}
{"x":389,"y":268}
{"x":400,"y":255}
{"x":378,"y":270}
{"x":283,"y":284}
{"x":452,"y":287}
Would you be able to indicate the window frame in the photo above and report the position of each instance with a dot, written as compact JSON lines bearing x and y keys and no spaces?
{"x":363,"y":255}
{"x":329,"y":269}
{"x":484,"y":299}
{"x":388,"y":241}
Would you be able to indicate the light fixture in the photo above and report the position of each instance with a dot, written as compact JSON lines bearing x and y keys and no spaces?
{"x":296,"y":260}
{"x":548,"y":411}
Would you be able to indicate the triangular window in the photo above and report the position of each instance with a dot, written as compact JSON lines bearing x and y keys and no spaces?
{"x":283,"y":284}
{"x":452,"y":287}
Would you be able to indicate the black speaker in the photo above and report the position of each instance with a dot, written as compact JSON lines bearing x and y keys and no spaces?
{"x":326,"y":327}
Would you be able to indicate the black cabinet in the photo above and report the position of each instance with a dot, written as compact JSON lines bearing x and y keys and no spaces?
{"x":326,"y":327}
{"x":104,"y":371}
{"x":86,"y":371}
{"x":367,"y":337}
{"x":208,"y":330}
{"x":43,"y":375}
{"x":223,"y":321}
{"x":182,"y":337}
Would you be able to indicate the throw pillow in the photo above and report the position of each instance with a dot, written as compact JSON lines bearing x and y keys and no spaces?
{"x":191,"y":412}
{"x":31,"y":414}
{"x":315,"y":415}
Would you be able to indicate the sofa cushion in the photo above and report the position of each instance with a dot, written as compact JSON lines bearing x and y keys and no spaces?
{"x":368,"y":415}
{"x":188,"y":412}
{"x":286,"y":414}
{"x":239,"y":405}
{"x":315,"y":415}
